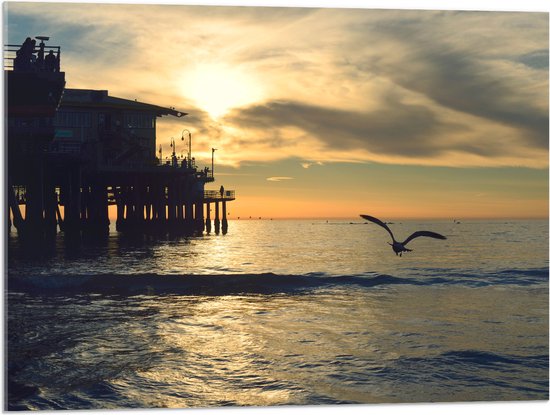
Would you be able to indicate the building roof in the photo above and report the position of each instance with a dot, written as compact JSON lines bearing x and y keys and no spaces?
{"x":101,"y":99}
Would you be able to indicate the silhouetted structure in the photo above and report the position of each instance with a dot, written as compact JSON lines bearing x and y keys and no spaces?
{"x":84,"y":149}
{"x":33,"y":96}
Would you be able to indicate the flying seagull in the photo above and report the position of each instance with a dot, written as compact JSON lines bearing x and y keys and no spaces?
{"x":399,"y":247}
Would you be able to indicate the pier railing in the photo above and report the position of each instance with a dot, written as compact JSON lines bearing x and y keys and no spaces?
{"x":182,"y":163}
{"x":209,"y":195}
{"x":217,"y":196}
{"x":37,"y":61}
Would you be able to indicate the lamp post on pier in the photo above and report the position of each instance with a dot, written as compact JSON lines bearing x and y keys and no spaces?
{"x":213,"y":149}
{"x":182,"y":138}
{"x":174,"y":158}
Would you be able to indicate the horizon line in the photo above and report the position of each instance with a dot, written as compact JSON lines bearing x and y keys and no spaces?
{"x":258,"y":217}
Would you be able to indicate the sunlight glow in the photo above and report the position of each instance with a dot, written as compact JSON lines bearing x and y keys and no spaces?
{"x":216,"y":88}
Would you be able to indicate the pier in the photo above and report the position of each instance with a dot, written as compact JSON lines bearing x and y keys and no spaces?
{"x":73,"y":153}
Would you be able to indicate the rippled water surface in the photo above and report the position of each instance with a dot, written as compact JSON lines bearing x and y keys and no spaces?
{"x":281,"y":312}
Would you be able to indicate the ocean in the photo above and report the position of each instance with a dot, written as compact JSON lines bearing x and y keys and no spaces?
{"x":281,"y":312}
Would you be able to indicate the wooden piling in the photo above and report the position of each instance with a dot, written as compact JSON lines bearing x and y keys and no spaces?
{"x":224,"y":217}
{"x":119,"y":200}
{"x":181,"y":202}
{"x":15,"y":210}
{"x":199,"y":217}
{"x":72,"y":199}
{"x":208,"y":223}
{"x":217,"y":218}
{"x":34,"y":208}
{"x":172,"y":195}
{"x":163,"y":202}
{"x":85,"y":210}
{"x":50,"y":205}
{"x":100,"y":206}
{"x":59,"y":218}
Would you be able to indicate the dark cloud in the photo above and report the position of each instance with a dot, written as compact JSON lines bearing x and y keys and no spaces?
{"x":99,"y":42}
{"x":537,"y":59}
{"x":458,"y":82}
{"x":199,"y":122}
{"x":443,"y":66}
{"x":395,"y":129}
{"x":448,"y":57}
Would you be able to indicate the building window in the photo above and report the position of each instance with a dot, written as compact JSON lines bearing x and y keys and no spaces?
{"x":73,"y":119}
{"x":36,"y":122}
{"x":139,"y":121}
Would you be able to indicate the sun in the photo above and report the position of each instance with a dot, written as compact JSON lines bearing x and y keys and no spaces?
{"x":216,"y":88}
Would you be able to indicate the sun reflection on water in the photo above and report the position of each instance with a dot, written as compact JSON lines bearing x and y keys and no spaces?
{"x":251,"y":350}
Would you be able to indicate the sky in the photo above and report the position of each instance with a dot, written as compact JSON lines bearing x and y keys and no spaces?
{"x":324,"y":112}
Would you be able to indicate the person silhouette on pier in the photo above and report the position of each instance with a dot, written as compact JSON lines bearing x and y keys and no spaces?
{"x":222,"y":190}
{"x":50,"y":62}
{"x":24,"y":55}
{"x":40,"y":63}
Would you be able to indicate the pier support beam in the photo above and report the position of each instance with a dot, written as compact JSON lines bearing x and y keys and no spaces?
{"x":72,"y":201}
{"x":188,"y":216}
{"x":59,"y":218}
{"x":9,"y":217}
{"x":139,"y":205}
{"x":130,"y":207}
{"x":199,"y":217}
{"x":217,"y":218}
{"x":148,"y":205}
{"x":208,"y":221}
{"x":119,"y":197}
{"x":224,"y":217}
{"x":183,"y":213}
{"x":15,"y":210}
{"x":172,"y":191}
{"x":50,"y":207}
{"x":162,"y":204}
{"x":154,"y":201}
{"x":85,"y":208}
{"x":34,"y":208}
{"x":98,"y":209}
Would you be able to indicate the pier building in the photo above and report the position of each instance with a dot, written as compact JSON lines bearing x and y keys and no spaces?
{"x":74,"y":152}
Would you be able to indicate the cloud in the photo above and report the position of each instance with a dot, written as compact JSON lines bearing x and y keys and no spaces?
{"x":467,"y":62}
{"x":433,"y":88}
{"x":488,"y":90}
{"x":308,"y":164}
{"x":399,"y":129}
{"x":408,"y":133}
{"x":389,"y":86}
{"x":537,"y":59}
{"x":279,"y":178}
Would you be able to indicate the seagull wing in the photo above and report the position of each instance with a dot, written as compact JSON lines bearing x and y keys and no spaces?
{"x":378,"y":222}
{"x":423,"y":233}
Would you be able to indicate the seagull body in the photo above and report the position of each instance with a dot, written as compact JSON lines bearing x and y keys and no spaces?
{"x":399,"y":247}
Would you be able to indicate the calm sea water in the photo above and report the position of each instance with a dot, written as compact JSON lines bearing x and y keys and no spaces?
{"x":281,"y":312}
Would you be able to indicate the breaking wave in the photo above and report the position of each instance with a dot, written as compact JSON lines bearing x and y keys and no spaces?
{"x":263,"y":283}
